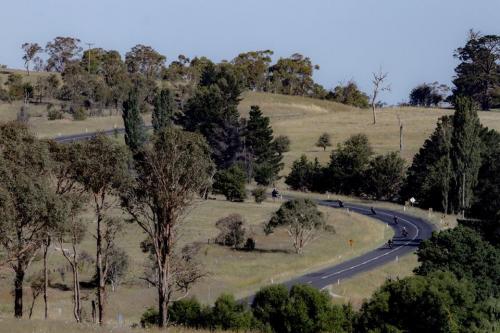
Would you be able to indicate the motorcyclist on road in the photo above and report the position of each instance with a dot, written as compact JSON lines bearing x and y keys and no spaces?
{"x":274,"y":193}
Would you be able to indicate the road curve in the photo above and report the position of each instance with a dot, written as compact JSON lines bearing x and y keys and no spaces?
{"x":418,"y":230}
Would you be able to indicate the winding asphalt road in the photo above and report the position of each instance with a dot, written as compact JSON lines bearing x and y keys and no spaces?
{"x":418,"y":230}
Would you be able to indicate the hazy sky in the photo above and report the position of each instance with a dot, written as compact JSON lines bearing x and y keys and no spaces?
{"x":413,"y":40}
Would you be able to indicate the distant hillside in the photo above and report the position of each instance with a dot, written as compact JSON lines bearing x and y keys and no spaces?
{"x":303,"y":119}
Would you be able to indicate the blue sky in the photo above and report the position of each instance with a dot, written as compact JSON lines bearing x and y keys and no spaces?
{"x":413,"y":40}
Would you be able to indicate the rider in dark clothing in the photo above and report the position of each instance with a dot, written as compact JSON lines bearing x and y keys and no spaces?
{"x":395,"y":219}
{"x":341,"y":204}
{"x":373,"y":211}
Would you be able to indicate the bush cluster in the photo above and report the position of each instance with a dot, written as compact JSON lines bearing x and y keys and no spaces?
{"x":274,"y":309}
{"x":351,"y":170}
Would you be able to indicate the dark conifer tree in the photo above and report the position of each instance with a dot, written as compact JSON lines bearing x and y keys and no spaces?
{"x":163,"y":111}
{"x":135,"y":134}
{"x":466,"y":150}
{"x":265,"y":159}
{"x":213,"y":112}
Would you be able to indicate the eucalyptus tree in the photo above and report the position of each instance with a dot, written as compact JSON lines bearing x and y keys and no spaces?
{"x":175,"y":168}
{"x":102,"y":169}
{"x":28,"y":204}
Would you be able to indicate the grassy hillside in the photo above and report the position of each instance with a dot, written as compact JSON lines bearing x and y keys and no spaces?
{"x":304,"y":119}
{"x":236,"y":272}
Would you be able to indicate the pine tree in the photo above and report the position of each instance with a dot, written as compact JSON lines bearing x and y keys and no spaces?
{"x":466,"y":150}
{"x":262,"y":150}
{"x":259,"y":135}
{"x":213,"y":112}
{"x":430,"y":176}
{"x":163,"y":110}
{"x":135,"y":134}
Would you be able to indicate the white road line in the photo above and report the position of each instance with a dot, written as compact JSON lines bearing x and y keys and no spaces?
{"x":380,"y":256}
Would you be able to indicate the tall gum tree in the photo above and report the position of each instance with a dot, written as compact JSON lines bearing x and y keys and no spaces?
{"x":102,"y":170}
{"x":175,"y":168}
{"x":25,"y":201}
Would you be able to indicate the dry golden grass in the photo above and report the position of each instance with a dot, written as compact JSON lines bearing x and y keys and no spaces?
{"x":360,"y":287}
{"x":236,"y":272}
{"x":59,"y":326}
{"x":303,"y":120}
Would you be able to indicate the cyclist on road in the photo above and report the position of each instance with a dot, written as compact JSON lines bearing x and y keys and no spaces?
{"x":395,"y":219}
{"x":390,"y":243}
{"x":341,"y":204}
{"x":404,"y":232}
{"x":373,"y":211}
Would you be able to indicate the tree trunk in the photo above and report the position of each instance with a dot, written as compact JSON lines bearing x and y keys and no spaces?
{"x":163,"y":277}
{"x":401,"y":144}
{"x":99,"y":268}
{"x":76,"y":291}
{"x":32,"y":306}
{"x":374,"y":116}
{"x":162,"y":298}
{"x":18,"y":291}
{"x":46,"y":276}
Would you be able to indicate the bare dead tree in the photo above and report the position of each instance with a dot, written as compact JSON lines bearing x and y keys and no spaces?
{"x":401,"y":129}
{"x":378,"y":86}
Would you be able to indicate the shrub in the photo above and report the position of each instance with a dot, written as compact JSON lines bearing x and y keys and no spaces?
{"x":187,"y":312}
{"x":150,"y":318}
{"x":249,"y":244}
{"x":231,"y":183}
{"x":348,"y":163}
{"x":349,"y":94}
{"x":53,"y":114}
{"x":79,"y":114}
{"x":117,"y":266}
{"x":23,"y":115}
{"x":266,"y":173}
{"x":232,"y":231}
{"x":4,"y":95}
{"x":324,"y":141}
{"x":302,"y":309}
{"x":259,"y":194}
{"x":439,"y":302}
{"x":269,"y":306}
{"x":227,"y":314}
{"x":385,"y":176}
{"x":281,"y":144}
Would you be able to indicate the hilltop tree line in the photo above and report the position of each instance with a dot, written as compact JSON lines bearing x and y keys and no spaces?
{"x":477,"y":76}
{"x":99,"y":79}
